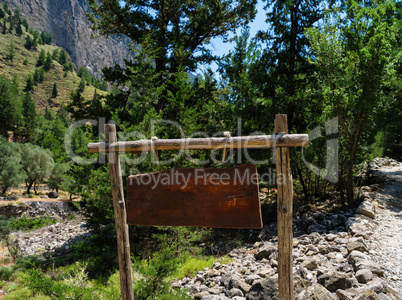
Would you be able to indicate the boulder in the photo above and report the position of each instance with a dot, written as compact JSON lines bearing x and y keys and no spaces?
{"x":316,"y":292}
{"x":367,"y":209}
{"x":53,"y":195}
{"x":264,"y":289}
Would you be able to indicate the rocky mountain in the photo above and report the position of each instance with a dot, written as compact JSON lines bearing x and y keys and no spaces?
{"x":66,"y":21}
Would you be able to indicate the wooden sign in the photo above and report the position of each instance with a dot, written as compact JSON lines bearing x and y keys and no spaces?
{"x":202,"y":197}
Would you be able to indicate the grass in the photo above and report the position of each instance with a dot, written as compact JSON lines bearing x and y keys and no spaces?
{"x":42,"y":93}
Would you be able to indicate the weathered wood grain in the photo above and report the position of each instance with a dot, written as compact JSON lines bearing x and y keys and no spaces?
{"x":202,"y":197}
{"x":285,"y":214}
{"x":258,"y":141}
{"x":123,"y":242}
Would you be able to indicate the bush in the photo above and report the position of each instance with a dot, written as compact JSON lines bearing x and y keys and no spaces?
{"x":6,"y":272}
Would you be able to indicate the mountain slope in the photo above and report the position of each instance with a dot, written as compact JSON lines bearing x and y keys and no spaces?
{"x":66,"y":21}
{"x":24,"y":64}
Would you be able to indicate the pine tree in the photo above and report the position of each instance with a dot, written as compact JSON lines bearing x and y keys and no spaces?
{"x":28,"y":113}
{"x":41,"y":75}
{"x":17,"y":14}
{"x":82,"y":85}
{"x":30,"y":83}
{"x":62,"y":57}
{"x":18,"y":30}
{"x":48,"y":62}
{"x":25,"y":24}
{"x":11,"y":51}
{"x":54,"y":91}
{"x":36,"y":76}
{"x":42,"y":58}
{"x":28,"y":42}
{"x":11,"y":24}
{"x":2,"y":14}
{"x":4,"y":26}
{"x":5,"y":6}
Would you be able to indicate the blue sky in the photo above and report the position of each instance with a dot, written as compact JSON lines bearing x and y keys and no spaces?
{"x":220,"y":48}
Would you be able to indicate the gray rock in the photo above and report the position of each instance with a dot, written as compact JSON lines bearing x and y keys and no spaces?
{"x":316,"y":292}
{"x":383,"y":297}
{"x":309,"y":264}
{"x":367,"y":209}
{"x":368,"y":295}
{"x":265,"y":251}
{"x":235,"y":292}
{"x":264,"y":289}
{"x":53,"y":195}
{"x":317,"y":228}
{"x":251,"y":278}
{"x":343,"y":295}
{"x":364,"y":275}
{"x":201,"y":295}
{"x":359,"y":246}
{"x":335,"y":280}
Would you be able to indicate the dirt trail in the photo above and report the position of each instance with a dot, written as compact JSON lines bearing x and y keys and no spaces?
{"x":386,"y":241}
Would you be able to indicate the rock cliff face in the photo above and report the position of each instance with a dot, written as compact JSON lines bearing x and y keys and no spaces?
{"x":66,"y":21}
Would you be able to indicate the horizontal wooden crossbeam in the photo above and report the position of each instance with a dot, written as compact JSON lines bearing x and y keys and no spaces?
{"x":257,"y":141}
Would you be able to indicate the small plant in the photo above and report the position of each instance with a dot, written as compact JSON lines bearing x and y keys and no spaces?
{"x":26,"y":61}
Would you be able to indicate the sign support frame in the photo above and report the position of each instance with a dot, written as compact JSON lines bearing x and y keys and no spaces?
{"x":281,"y":142}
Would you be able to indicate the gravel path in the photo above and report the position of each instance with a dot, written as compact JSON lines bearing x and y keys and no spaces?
{"x":386,"y":241}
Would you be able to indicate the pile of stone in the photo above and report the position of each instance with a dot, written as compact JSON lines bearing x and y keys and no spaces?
{"x":332,"y":260}
{"x":51,"y":240}
{"x":57,"y":210}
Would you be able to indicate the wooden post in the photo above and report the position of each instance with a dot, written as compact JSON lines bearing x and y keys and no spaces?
{"x":285,"y":212}
{"x":123,"y":244}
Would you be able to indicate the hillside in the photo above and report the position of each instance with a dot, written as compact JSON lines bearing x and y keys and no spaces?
{"x":25,"y":62}
{"x":66,"y":20}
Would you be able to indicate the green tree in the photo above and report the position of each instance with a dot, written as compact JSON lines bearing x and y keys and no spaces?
{"x":18,"y":30}
{"x":62,"y":58}
{"x":4,"y":26}
{"x":29,"y":44}
{"x":78,"y":107}
{"x":57,"y":176}
{"x":17,"y":14}
{"x":28,"y":114}
{"x":11,"y":51}
{"x":30,"y":83}
{"x":54,"y":91}
{"x":5,"y":7}
{"x":47,"y":38}
{"x":81,"y":85}
{"x":36,"y":76}
{"x":36,"y":37}
{"x":9,"y":112}
{"x":11,"y":173}
{"x":178,"y":31}
{"x":41,"y":58}
{"x":25,"y":24}
{"x":37,"y":164}
{"x":2,"y":14}
{"x":48,"y":62}
{"x":353,"y":60}
{"x":11,"y":21}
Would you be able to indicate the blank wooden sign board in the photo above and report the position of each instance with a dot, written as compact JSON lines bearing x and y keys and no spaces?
{"x":202,"y":197}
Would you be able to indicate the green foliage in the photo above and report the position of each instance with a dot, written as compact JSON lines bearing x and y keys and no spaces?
{"x":57,"y":176}
{"x":155,"y":271}
{"x":11,"y":51}
{"x":18,"y":30}
{"x":47,"y":38}
{"x":9,"y":109}
{"x":62,"y":57}
{"x":37,"y":164}
{"x":81,"y":85}
{"x":29,"y":44}
{"x":25,"y":24}
{"x":353,"y":63}
{"x":41,"y":58}
{"x":54,"y":90}
{"x":48,"y":62}
{"x":28,"y":115}
{"x":11,"y":173}
{"x":78,"y":107}
{"x":180,"y":40}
